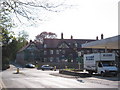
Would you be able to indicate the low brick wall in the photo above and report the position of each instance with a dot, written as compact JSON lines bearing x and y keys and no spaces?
{"x":73,"y":73}
{"x":61,"y":65}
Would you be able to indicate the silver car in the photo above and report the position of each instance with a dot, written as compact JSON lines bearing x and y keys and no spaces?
{"x":46,"y":67}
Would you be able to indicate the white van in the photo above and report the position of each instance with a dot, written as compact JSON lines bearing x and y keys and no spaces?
{"x":101,"y":63}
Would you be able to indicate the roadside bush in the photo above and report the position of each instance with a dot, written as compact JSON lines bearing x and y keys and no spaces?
{"x":5,"y":63}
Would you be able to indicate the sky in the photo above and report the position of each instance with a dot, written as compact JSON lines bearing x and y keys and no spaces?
{"x":85,"y":20}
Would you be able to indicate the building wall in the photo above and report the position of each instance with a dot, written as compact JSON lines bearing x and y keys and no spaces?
{"x":62,"y":55}
{"x":28,"y":54}
{"x":20,"y":57}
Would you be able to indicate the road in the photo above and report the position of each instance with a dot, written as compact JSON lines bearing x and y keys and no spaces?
{"x":33,"y":78}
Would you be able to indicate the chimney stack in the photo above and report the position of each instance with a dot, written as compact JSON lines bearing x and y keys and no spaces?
{"x":97,"y":38}
{"x":61,"y":35}
{"x":102,"y":36}
{"x":71,"y":37}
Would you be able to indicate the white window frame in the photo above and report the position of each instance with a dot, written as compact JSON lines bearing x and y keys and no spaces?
{"x":57,"y":52}
{"x":45,"y":59}
{"x":51,"y":51}
{"x":57,"y":59}
{"x":51,"y":59}
{"x":45,"y":52}
{"x":63,"y":51}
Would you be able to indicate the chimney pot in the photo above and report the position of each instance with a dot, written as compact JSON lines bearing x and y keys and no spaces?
{"x":61,"y":35}
{"x":102,"y":36}
{"x":71,"y":37}
{"x":97,"y":38}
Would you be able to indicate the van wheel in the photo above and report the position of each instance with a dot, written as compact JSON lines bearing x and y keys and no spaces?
{"x":90,"y":72}
{"x":102,"y":74}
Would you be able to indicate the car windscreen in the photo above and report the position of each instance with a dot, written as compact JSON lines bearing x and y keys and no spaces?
{"x":46,"y":66}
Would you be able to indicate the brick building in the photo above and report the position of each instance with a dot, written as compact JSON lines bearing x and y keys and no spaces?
{"x":56,"y":52}
{"x":63,"y":50}
{"x":52,"y":50}
{"x":29,"y":53}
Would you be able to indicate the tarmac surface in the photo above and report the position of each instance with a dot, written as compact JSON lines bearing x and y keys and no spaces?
{"x":33,"y":78}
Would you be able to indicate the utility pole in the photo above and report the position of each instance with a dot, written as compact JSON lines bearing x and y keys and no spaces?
{"x":79,"y":60}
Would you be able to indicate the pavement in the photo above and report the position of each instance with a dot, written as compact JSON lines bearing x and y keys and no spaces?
{"x":1,"y":84}
{"x":110,"y":78}
{"x":94,"y":79}
{"x":33,"y":78}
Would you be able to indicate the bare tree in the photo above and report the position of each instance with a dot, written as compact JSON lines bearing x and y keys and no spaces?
{"x":30,"y":9}
{"x":43,"y":35}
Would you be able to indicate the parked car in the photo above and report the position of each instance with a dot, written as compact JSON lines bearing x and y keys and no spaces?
{"x":47,"y":67}
{"x":30,"y":66}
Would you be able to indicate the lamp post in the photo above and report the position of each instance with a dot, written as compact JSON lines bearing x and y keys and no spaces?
{"x":79,"y":59}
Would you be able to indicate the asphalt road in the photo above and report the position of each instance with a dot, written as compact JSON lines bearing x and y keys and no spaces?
{"x":33,"y":78}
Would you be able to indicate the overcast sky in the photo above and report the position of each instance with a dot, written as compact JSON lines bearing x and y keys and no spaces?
{"x":86,"y":20}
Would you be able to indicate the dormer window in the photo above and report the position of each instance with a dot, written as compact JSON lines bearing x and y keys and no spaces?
{"x":69,"y":43}
{"x":63,"y":45}
{"x":75,"y":44}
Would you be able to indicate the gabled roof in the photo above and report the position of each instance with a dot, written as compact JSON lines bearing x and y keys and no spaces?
{"x":22,"y":49}
{"x":37,"y":44}
{"x":63,"y":45}
{"x":54,"y":43}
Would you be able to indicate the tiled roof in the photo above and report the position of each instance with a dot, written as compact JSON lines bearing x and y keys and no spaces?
{"x":22,"y":49}
{"x":37,"y":44}
{"x":54,"y":43}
